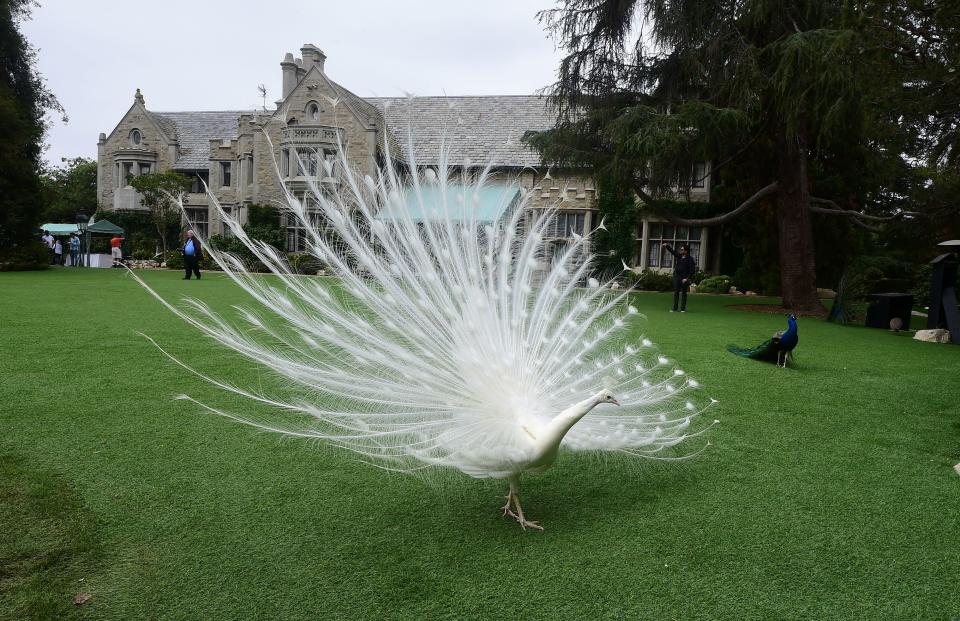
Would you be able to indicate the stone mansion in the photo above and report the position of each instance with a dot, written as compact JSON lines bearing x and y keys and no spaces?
{"x":230,"y":152}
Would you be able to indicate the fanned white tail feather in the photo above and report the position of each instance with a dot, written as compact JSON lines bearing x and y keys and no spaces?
{"x":443,"y":340}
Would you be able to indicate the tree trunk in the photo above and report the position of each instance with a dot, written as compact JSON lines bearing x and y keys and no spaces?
{"x":797,"y":264}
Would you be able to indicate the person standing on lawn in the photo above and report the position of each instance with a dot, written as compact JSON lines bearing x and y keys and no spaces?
{"x":74,"y":250}
{"x":192,"y":255}
{"x":116,"y":251}
{"x":57,"y":252}
{"x":49,"y":241}
{"x":684,"y":267}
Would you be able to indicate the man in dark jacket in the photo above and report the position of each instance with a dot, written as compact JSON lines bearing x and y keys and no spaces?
{"x":684,"y":268}
{"x":192,"y":255}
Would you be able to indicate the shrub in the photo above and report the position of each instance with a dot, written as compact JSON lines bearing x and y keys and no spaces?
{"x":921,"y":285}
{"x":32,"y":255}
{"x":650,"y":280}
{"x":714,"y":284}
{"x":304,"y":263}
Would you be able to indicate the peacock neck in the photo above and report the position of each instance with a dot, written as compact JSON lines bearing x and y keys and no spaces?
{"x":566,"y":419}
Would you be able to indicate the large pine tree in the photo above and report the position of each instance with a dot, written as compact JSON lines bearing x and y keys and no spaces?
{"x":765,"y":90}
{"x":24,"y":100}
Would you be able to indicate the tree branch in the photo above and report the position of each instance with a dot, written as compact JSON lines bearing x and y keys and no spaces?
{"x":833,"y":209}
{"x":730,"y":215}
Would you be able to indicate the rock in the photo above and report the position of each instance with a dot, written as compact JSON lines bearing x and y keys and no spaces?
{"x":693,"y":288}
{"x":751,"y":293}
{"x":733,"y":290}
{"x":826,"y":294}
{"x":933,"y":336}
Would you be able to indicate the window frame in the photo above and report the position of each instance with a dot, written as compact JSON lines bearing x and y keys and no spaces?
{"x":226,"y":170}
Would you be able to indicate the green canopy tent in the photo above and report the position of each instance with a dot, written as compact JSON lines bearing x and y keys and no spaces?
{"x":100,"y":227}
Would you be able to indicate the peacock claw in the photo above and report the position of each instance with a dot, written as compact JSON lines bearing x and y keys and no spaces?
{"x":514,"y":498}
{"x":524,"y":524}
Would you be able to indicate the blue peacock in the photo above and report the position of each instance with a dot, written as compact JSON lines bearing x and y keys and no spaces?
{"x":775,"y":349}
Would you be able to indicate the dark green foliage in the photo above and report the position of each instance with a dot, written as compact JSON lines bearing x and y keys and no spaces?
{"x":30,"y":255}
{"x":304,"y":263}
{"x":616,"y":206}
{"x":650,"y":280}
{"x":24,"y":99}
{"x":159,"y":192}
{"x":263,"y":224}
{"x":263,"y":216}
{"x":70,"y":190}
{"x":715,"y":284}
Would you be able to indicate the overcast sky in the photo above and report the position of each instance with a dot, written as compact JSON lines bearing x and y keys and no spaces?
{"x":212,"y":54}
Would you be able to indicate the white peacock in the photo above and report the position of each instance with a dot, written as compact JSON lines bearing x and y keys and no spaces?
{"x":445,"y":339}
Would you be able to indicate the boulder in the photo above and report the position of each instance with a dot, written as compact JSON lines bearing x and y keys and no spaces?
{"x":933,"y":336}
{"x":826,"y":294}
{"x":733,"y":290}
{"x":751,"y":293}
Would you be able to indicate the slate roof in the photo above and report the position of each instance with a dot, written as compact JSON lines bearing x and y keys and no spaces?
{"x":483,"y":128}
{"x":195,"y":130}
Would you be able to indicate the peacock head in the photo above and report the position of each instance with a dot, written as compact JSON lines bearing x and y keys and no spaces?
{"x":607,"y":397}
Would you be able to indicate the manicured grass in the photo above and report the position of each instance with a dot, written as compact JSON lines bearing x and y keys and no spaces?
{"x":828,"y":491}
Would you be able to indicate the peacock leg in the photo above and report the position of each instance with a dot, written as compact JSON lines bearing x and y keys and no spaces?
{"x":524,"y":523}
{"x":506,"y":508}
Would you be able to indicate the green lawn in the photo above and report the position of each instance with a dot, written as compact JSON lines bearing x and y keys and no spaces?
{"x":828,"y":491}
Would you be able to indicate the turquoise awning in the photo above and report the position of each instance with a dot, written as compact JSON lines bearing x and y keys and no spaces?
{"x":59,"y":229}
{"x":488,"y":204}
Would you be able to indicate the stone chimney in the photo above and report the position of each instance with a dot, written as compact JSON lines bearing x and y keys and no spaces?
{"x":300,"y":70}
{"x":289,"y":68}
{"x":312,"y":56}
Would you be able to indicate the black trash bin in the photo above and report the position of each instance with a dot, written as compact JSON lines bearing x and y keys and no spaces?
{"x":885,"y":306}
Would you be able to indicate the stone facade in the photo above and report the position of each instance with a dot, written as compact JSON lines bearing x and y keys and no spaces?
{"x":240,"y":153}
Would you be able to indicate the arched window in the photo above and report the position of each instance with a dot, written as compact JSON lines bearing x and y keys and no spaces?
{"x":313,"y":112}
{"x":136,"y":137}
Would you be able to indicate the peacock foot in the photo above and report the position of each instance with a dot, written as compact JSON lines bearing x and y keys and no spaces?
{"x":514,"y":498}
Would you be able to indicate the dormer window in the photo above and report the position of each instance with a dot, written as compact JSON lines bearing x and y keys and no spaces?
{"x":313,"y":112}
{"x":136,"y":138}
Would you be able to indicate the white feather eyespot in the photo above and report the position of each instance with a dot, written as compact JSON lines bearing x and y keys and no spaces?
{"x":632,"y":310}
{"x":663,"y":360}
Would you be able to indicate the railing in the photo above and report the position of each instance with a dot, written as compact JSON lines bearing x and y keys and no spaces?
{"x":317,"y":134}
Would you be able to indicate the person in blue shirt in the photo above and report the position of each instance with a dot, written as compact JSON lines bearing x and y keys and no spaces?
{"x":192,"y":255}
{"x":74,"y":250}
